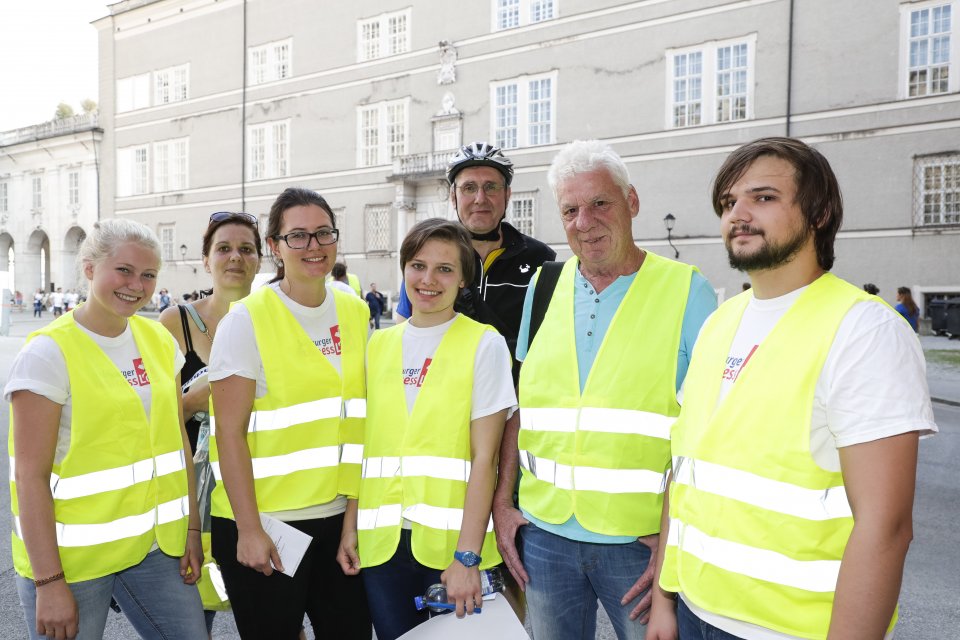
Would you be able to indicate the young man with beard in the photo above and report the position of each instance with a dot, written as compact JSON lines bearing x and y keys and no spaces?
{"x":795,"y":453}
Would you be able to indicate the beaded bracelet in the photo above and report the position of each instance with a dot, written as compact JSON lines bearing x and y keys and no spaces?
{"x":53,"y":578}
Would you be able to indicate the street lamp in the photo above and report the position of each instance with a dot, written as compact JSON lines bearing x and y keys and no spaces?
{"x":668,"y":221}
{"x":183,"y":255}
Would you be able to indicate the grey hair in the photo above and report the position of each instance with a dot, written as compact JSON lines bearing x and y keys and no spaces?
{"x":584,"y":156}
{"x":108,"y":235}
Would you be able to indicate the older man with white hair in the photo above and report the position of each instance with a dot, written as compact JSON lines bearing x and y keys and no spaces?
{"x":598,"y":393}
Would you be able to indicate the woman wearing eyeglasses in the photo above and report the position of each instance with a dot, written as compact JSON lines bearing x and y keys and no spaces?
{"x":287,"y":363}
{"x":231,"y":250}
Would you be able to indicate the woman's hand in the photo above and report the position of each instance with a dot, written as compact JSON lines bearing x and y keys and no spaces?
{"x":256,"y":550}
{"x":347,"y":555}
{"x":57,"y":614}
{"x":191,"y":563}
{"x":463,"y":587}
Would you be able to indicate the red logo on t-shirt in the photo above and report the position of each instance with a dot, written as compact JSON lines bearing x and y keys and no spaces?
{"x":139,"y":377}
{"x":335,"y":335}
{"x":423,"y":371}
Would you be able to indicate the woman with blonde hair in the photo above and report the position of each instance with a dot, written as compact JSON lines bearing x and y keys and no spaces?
{"x":102,"y":496}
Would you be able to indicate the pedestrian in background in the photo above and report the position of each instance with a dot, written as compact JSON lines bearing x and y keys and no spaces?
{"x":339,"y":281}
{"x":95,"y":407}
{"x":286,"y":364}
{"x":377,"y":304}
{"x":908,"y":308}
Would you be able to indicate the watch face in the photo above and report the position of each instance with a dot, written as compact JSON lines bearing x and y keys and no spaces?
{"x":467,"y":558}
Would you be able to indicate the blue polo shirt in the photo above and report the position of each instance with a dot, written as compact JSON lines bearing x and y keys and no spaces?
{"x":592,"y":314}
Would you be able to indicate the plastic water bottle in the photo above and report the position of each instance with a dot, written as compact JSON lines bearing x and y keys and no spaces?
{"x":435,"y":599}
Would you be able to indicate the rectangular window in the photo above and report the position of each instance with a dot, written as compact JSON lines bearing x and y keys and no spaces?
{"x":167,"y":242}
{"x":385,"y":35}
{"x":524,"y":111}
{"x":687,"y":88}
{"x":381,"y":132}
{"x":523,"y":209}
{"x":4,"y":197}
{"x":170,"y":165}
{"x":929,"y":47}
{"x":272,"y":61}
{"x":710,"y":83}
{"x":508,"y":14}
{"x":936,"y":188}
{"x":171,"y":84}
{"x":133,"y":171}
{"x":268,"y":150}
{"x":133,"y":93}
{"x":73,"y":188}
{"x":37,"y":190}
{"x":377,"y":227}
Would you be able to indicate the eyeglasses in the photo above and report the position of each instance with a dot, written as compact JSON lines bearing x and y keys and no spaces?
{"x":301,"y":239}
{"x":471,"y":188}
{"x":220,"y":216}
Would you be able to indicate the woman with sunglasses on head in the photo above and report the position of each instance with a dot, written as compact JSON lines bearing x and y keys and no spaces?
{"x":102,"y":496}
{"x":231,"y":250}
{"x":439,"y":392}
{"x":287,"y":378}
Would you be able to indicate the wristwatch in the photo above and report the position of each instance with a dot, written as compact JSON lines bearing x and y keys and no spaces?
{"x":467,"y":558}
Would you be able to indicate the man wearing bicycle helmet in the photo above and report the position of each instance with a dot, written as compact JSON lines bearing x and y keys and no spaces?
{"x":480,"y":177}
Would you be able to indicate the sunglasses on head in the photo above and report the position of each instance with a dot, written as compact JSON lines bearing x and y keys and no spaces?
{"x":221,"y":216}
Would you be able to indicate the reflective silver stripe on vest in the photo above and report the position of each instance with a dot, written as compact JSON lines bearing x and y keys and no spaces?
{"x":305,"y":460}
{"x":431,"y":466}
{"x":271,"y":420}
{"x":355,"y":408}
{"x":351,"y":453}
{"x":773,"y":495}
{"x":628,"y":421}
{"x":810,"y":575}
{"x":216,"y":579}
{"x":390,"y":515}
{"x":571,"y":478}
{"x":85,"y":535}
{"x":89,"y":484}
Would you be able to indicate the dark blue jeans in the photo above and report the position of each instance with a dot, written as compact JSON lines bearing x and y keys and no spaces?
{"x":691,"y":627}
{"x":391,"y":588}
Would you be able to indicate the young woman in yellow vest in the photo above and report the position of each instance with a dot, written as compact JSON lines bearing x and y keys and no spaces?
{"x":231,"y":250}
{"x":102,"y":495}
{"x":439,"y":391}
{"x":287,"y":379}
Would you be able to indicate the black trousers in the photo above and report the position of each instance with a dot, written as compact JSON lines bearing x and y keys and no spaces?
{"x":272,"y":607}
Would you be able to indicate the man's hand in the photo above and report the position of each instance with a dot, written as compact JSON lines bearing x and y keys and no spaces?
{"x":642,"y":585}
{"x":506,"y":521}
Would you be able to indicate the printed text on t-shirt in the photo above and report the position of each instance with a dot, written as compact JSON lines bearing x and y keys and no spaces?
{"x":330,"y":346}
{"x":735,"y":365}
{"x":414,"y":376}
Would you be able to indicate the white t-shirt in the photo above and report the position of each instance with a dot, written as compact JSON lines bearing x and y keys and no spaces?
{"x":492,"y":378}
{"x":343,"y":286}
{"x":235,"y":353}
{"x":57,"y":297}
{"x":492,"y":381}
{"x":41,"y":368}
{"x":873,"y":385}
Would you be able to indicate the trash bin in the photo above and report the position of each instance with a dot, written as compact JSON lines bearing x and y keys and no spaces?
{"x":953,"y":317}
{"x":938,"y":316}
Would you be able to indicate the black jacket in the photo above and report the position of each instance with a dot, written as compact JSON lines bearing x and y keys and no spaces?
{"x":496,"y":296}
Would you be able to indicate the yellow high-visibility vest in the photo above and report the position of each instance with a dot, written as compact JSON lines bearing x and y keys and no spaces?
{"x":601,"y":454}
{"x":306,"y":434}
{"x":123,"y":483}
{"x":417,"y":465}
{"x":751,"y":513}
